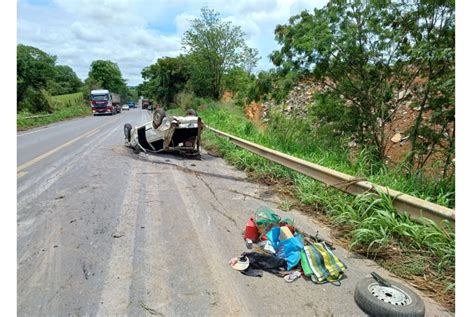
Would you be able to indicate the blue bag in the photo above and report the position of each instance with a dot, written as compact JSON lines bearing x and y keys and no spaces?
{"x":290,"y":250}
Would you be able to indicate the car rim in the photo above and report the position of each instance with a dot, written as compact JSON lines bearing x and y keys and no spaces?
{"x":391,"y":295}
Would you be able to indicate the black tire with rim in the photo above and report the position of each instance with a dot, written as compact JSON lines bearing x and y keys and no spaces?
{"x":158,"y":116}
{"x":191,"y":112}
{"x":127,"y":128}
{"x":397,"y":300}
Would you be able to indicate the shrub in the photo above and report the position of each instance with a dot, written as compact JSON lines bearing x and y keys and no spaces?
{"x":185,"y":100}
{"x":35,"y":101}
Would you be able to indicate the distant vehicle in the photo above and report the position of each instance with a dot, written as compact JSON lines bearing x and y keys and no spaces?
{"x":131,"y":104}
{"x":125,"y":107}
{"x":145,"y":103}
{"x":104,"y":102}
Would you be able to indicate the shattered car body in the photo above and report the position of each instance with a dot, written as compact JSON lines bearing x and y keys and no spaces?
{"x":166,"y":134}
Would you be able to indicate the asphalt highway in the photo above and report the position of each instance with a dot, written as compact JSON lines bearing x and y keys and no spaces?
{"x":104,"y":231}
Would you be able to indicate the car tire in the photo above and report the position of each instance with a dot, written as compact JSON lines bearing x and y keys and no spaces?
{"x":397,"y":300}
{"x":127,"y":128}
{"x":158,"y":116}
{"x":191,"y":112}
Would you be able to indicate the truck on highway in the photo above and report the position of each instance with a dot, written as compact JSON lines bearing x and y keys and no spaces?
{"x":105,"y":102}
{"x":145,"y":103}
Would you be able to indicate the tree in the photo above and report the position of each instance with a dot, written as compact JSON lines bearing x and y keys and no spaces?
{"x":166,"y":78}
{"x":34,"y":68}
{"x":373,"y":57}
{"x":106,"y":75}
{"x":64,"y":81}
{"x":132,"y":93}
{"x":432,"y":55}
{"x":214,"y":46}
{"x":250,"y":58}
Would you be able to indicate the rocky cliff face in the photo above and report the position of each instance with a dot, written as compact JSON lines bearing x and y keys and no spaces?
{"x":302,"y":96}
{"x":297,"y":101}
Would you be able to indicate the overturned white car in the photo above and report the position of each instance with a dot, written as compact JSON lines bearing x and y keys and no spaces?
{"x":166,"y":134}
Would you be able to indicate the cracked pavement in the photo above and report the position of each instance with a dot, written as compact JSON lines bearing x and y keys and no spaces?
{"x":104,"y":231}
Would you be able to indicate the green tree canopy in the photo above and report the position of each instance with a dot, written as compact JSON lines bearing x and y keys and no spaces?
{"x":34,"y":68}
{"x":64,"y":81}
{"x":374,"y":56}
{"x":214,"y":46}
{"x":106,"y":75}
{"x":166,"y":78}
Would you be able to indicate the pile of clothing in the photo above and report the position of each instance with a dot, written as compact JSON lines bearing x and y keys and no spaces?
{"x":278,"y":247}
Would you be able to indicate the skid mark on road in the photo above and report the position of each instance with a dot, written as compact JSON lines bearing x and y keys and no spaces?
{"x":115,"y":295}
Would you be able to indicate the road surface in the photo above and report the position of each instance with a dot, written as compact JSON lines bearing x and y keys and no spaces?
{"x":103,"y":231}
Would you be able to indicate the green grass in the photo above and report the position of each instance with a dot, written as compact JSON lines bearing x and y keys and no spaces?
{"x":63,"y":106}
{"x":370,"y":221}
{"x":71,"y":98}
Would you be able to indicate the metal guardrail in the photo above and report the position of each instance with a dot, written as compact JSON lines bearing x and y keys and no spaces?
{"x":32,"y":117}
{"x":415,"y":207}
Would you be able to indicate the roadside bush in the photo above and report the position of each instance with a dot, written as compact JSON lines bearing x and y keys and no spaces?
{"x":35,"y":101}
{"x":185,"y":100}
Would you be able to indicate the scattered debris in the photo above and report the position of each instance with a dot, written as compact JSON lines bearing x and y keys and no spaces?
{"x":396,"y":138}
{"x":278,"y":247}
{"x":239,"y":264}
{"x":85,"y":271}
{"x":292,"y":276}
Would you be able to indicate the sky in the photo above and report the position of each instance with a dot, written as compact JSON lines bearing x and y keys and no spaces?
{"x":135,"y":33}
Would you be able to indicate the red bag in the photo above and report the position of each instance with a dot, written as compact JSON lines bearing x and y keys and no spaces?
{"x":251,"y":231}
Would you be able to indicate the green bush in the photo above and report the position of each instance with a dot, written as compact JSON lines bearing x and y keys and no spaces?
{"x":185,"y":100}
{"x":36,"y":101}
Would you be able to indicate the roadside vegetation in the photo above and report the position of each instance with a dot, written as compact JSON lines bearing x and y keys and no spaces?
{"x":371,"y":62}
{"x":367,"y":224}
{"x":63,"y":107}
{"x":50,"y":93}
{"x":39,"y":78}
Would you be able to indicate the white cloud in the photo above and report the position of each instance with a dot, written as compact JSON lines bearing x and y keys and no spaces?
{"x":135,"y":33}
{"x":182,"y":22}
{"x":83,"y":33}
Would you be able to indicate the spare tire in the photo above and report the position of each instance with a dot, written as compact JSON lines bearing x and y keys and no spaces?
{"x":397,"y":300}
{"x":158,"y":116}
{"x":127,"y":127}
{"x":191,"y":112}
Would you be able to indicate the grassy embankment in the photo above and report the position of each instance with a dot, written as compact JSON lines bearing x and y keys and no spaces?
{"x":368,"y":224}
{"x":63,"y":106}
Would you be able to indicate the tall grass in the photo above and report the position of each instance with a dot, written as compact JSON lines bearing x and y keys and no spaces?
{"x":63,"y":107}
{"x":298,"y":138}
{"x":370,"y":220}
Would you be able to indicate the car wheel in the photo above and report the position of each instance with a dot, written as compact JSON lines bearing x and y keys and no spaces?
{"x":396,"y":300}
{"x":158,"y":116}
{"x":191,"y":112}
{"x":127,"y":128}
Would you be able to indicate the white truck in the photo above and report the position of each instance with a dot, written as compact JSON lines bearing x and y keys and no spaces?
{"x":105,"y":102}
